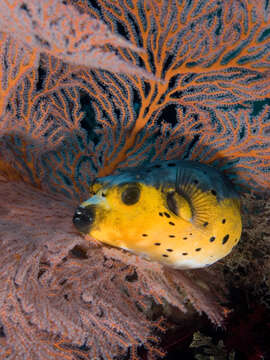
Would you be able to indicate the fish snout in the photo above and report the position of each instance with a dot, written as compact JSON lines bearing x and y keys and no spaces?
{"x":83,"y":218}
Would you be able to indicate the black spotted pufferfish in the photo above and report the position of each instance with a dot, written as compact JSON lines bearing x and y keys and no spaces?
{"x":181,"y":213}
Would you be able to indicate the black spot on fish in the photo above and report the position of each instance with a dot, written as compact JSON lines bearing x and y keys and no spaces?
{"x":223,"y":221}
{"x":171,"y":223}
{"x":184,"y":238}
{"x":171,"y":236}
{"x":165,"y":255}
{"x":160,"y":214}
{"x":190,"y":234}
{"x":212,"y":239}
{"x":205,"y":224}
{"x":144,"y":234}
{"x":170,"y":250}
{"x":198,"y":249}
{"x":157,"y":244}
{"x":214,"y":192}
{"x":185,"y":253}
{"x":167,"y":215}
{"x":171,"y":164}
{"x":225,"y":239}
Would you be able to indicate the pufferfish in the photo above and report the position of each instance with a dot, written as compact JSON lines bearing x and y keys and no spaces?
{"x":181,"y":213}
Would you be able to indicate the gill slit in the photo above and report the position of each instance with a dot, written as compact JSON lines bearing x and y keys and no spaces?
{"x":196,"y":200}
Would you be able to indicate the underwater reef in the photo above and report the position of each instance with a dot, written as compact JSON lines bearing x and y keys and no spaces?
{"x":91,"y":87}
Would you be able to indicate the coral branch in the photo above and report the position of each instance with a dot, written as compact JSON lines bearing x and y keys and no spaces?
{"x":60,"y":30}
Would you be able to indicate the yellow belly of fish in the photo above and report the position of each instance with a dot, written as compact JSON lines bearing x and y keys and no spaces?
{"x":160,"y":235}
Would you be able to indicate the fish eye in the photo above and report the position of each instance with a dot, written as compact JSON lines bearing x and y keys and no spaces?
{"x":131,"y":194}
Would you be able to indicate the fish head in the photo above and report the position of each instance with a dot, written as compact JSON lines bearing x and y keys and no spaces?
{"x":124,"y":210}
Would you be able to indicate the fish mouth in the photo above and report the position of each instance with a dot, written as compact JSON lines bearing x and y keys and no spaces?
{"x":84,"y":218}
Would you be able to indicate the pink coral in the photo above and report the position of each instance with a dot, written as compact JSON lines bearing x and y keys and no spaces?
{"x":58,"y":29}
{"x":61,"y":298}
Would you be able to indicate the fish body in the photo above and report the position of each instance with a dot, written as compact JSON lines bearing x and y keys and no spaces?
{"x":181,"y":213}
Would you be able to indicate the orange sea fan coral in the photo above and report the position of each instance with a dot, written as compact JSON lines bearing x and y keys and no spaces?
{"x":212,"y":58}
{"x":16,"y":60}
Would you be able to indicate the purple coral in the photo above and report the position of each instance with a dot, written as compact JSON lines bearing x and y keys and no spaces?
{"x":62,"y":298}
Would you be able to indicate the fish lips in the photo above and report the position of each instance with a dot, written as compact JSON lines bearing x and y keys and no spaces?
{"x":85,"y":215}
{"x":84,"y":218}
